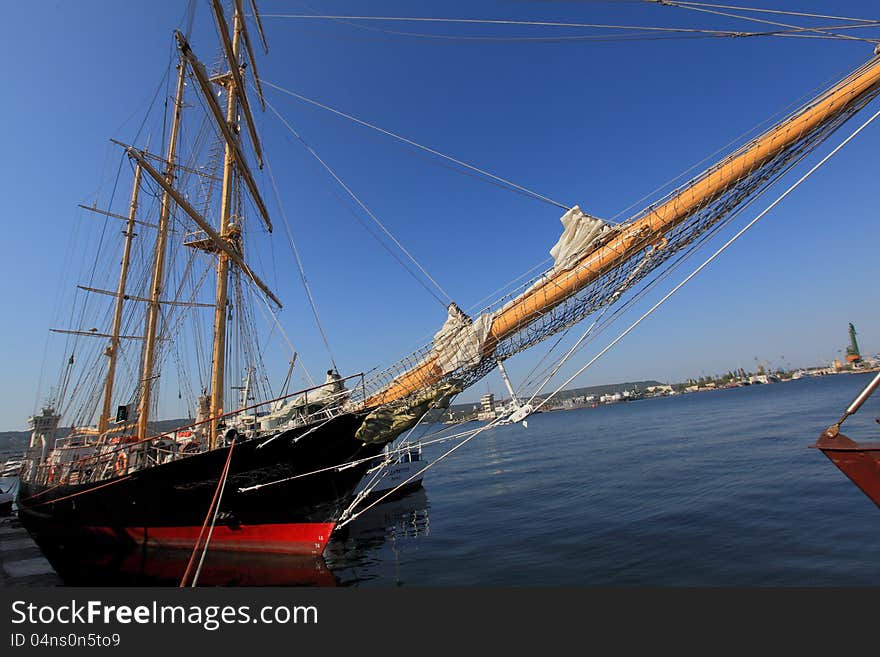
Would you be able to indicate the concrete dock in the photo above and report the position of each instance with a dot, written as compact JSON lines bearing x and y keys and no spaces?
{"x":21,"y":562}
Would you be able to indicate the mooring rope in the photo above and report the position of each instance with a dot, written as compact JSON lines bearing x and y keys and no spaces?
{"x":344,"y":521}
{"x":215,"y":507}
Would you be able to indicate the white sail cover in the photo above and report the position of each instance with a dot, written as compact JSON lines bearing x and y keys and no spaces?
{"x":579,"y":231}
{"x":459,"y":343}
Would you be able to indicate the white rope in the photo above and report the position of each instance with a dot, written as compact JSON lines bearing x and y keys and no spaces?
{"x":611,"y":300}
{"x":198,"y":572}
{"x":344,"y":521}
{"x":409,"y":433}
{"x":378,"y":474}
{"x":485,"y":21}
{"x":710,"y":259}
{"x":349,"y":464}
{"x":303,"y":435}
{"x":368,"y":488}
{"x":794,"y":31}
{"x":629,"y":329}
{"x":362,"y":205}
{"x":415,"y":144}
{"x":567,"y":355}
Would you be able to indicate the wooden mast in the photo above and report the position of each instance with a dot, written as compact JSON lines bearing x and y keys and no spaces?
{"x":113,"y":348}
{"x":218,"y":361}
{"x":654,"y":223}
{"x":152,"y":327}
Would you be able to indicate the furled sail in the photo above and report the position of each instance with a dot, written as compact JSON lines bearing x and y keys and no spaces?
{"x":580,"y":231}
{"x":459,"y":343}
{"x":594,"y":264}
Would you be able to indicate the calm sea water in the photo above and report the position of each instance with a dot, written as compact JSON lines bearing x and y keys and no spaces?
{"x":707,"y":489}
{"x":714,"y":488}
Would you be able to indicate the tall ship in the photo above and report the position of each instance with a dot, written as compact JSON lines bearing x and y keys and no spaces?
{"x":264,"y":469}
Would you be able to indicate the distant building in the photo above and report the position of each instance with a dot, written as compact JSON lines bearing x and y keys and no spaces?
{"x":487,"y":407}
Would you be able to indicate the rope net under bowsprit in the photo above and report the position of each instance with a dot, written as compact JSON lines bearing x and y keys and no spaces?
{"x":464,"y":351}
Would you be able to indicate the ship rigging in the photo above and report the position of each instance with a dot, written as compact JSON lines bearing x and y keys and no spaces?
{"x":281,"y":474}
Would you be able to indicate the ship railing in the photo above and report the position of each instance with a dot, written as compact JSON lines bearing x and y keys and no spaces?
{"x":320,"y":409}
{"x":129,"y":455}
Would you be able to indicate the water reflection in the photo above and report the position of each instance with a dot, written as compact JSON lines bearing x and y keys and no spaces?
{"x":374,"y":543}
{"x":353,"y":555}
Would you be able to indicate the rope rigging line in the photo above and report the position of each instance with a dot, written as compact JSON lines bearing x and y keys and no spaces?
{"x":569,"y":353}
{"x":410,"y":142}
{"x":367,"y":210}
{"x":490,"y":21}
{"x":606,"y":288}
{"x":711,"y":258}
{"x":659,"y":32}
{"x":302,"y":272}
{"x":276,"y":324}
{"x":601,"y":326}
{"x":349,"y":464}
{"x":346,"y":520}
{"x":214,"y":508}
{"x":72,"y":495}
{"x":768,"y":11}
{"x":594,"y":38}
{"x":616,"y":37}
{"x":403,"y":447}
{"x":793,"y":29}
{"x":754,"y":130}
{"x":88,"y":389}
{"x":223,"y":479}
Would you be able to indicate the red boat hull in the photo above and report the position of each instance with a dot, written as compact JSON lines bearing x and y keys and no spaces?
{"x":288,"y":538}
{"x":858,"y":461}
{"x":151,"y":565}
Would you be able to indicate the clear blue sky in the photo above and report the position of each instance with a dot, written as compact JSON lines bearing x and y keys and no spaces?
{"x":596,"y":124}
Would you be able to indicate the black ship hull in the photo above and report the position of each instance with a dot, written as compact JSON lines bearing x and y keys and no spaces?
{"x":267,"y":506}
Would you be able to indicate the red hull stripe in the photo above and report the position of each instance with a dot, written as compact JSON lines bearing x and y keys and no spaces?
{"x":288,"y":538}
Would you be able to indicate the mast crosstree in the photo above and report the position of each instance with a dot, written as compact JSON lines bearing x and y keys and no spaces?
{"x":223,"y":241}
{"x":234,"y":87}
